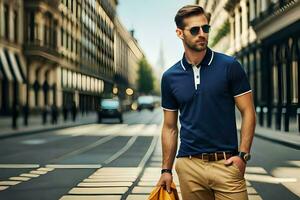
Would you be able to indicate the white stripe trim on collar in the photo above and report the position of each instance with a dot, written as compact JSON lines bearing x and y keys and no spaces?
{"x":182,"y":65}
{"x":212,"y":56}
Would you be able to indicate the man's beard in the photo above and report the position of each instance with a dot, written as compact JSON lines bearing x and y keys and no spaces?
{"x":195,"y":46}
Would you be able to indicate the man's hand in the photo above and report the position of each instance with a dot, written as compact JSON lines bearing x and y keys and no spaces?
{"x":238,"y":162}
{"x":165,"y":180}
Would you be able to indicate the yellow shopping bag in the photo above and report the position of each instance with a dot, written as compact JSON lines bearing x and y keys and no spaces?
{"x":159,"y":193}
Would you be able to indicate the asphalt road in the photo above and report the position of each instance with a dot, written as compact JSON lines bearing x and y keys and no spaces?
{"x":121,"y":161}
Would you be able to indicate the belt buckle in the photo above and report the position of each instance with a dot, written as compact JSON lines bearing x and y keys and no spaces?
{"x":207,"y":157}
{"x":216,"y":156}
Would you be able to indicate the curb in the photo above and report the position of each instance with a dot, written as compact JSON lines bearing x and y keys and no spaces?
{"x":42,"y":130}
{"x":278,"y":141}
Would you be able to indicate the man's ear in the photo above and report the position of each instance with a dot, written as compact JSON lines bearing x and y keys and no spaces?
{"x":179,"y":33}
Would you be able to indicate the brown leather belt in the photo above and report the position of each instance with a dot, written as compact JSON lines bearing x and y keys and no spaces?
{"x":213,"y":156}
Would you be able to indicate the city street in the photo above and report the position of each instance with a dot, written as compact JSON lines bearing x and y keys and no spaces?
{"x":121,"y":161}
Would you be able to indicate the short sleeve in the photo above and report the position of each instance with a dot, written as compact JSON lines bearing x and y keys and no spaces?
{"x":238,"y":80}
{"x":168,"y":101}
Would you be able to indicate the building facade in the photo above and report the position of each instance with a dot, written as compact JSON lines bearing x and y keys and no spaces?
{"x":127,"y":56}
{"x":13,"y":71}
{"x":264,"y":37}
{"x":61,"y":53}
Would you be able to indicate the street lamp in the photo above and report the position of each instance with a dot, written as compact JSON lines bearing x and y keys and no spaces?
{"x":129,"y":91}
{"x":115,"y":90}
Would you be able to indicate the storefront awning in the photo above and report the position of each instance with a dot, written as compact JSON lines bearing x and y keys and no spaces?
{"x":15,"y":67}
{"x":22,"y":65}
{"x":4,"y":65}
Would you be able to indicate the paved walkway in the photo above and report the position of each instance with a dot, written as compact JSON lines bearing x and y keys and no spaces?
{"x":35,"y":124}
{"x":291,"y":139}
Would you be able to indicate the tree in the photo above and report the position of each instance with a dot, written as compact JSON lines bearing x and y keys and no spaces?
{"x":145,"y":77}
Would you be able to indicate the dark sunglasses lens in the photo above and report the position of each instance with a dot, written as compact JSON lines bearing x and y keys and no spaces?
{"x":206,"y":28}
{"x":195,"y":30}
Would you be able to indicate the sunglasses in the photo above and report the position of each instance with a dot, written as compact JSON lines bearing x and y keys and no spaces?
{"x":196,"y":29}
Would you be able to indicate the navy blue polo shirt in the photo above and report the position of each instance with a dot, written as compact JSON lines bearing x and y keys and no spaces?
{"x":204,"y":96}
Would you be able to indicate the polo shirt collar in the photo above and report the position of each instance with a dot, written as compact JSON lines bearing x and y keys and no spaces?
{"x":207,"y":60}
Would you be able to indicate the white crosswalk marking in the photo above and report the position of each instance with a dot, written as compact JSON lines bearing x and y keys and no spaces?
{"x":22,"y":177}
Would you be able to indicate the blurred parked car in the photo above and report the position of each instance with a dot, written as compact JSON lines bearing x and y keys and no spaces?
{"x":145,"y":102}
{"x":110,"y":108}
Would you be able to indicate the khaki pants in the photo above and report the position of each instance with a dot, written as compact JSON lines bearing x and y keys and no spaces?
{"x":201,"y":180}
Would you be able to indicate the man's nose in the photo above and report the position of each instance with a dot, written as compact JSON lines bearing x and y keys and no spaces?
{"x":201,"y":32}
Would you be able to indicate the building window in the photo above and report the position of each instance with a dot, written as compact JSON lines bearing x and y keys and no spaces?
{"x":248,"y":14}
{"x":252,"y":70}
{"x":71,"y":43}
{"x":71,"y":6}
{"x":284,"y":78}
{"x":31,"y":27}
{"x":255,"y":8}
{"x":67,"y":39}
{"x":6,"y":21}
{"x":15,"y":19}
{"x":295,"y":73}
{"x":275,"y":78}
{"x":62,"y":36}
{"x":241,"y":20}
{"x":258,"y":78}
{"x":54,"y":34}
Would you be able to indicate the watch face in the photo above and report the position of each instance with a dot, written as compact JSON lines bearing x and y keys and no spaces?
{"x":247,"y":156}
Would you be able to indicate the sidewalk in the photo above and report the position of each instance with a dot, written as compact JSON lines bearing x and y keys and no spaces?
{"x":290,"y":139}
{"x":35,"y":124}
{"x":286,"y":138}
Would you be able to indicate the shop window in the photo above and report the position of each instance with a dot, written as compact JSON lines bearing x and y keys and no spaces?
{"x":295,"y":74}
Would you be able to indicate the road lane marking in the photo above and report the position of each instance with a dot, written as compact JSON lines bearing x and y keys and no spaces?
{"x":268,"y":179}
{"x":9,"y":183}
{"x":103,"y":190}
{"x":15,"y":178}
{"x":48,"y":169}
{"x":254,"y":197}
{"x":105,"y":184}
{"x":113,"y":178}
{"x":149,"y":152}
{"x":74,"y":166}
{"x":256,"y":170}
{"x":16,"y":166}
{"x":86,"y":148}
{"x":30,"y":175}
{"x":137,"y":197}
{"x":22,"y":177}
{"x":39,"y":172}
{"x":289,"y":172}
{"x":90,"y":197}
{"x":34,"y":141}
{"x":3,"y":188}
{"x":122,"y":150}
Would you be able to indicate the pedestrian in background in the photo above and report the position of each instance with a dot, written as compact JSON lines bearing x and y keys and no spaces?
{"x":54,"y":113}
{"x":74,"y":111}
{"x":65,"y":111}
{"x":205,"y":86}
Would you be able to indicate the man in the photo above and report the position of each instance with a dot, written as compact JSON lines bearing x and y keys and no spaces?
{"x":205,"y":86}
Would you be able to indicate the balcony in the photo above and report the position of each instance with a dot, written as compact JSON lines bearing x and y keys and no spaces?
{"x":36,"y":50}
{"x":274,"y":10}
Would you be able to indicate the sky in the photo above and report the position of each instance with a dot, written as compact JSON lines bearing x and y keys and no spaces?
{"x":153,"y":22}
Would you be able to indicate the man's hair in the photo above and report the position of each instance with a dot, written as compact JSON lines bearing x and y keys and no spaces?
{"x":188,"y":11}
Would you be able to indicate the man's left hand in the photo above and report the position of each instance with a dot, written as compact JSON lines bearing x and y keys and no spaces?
{"x":236,"y":160}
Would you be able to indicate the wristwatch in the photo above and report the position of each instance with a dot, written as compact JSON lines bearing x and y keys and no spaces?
{"x":166,"y":171}
{"x":244,"y":156}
